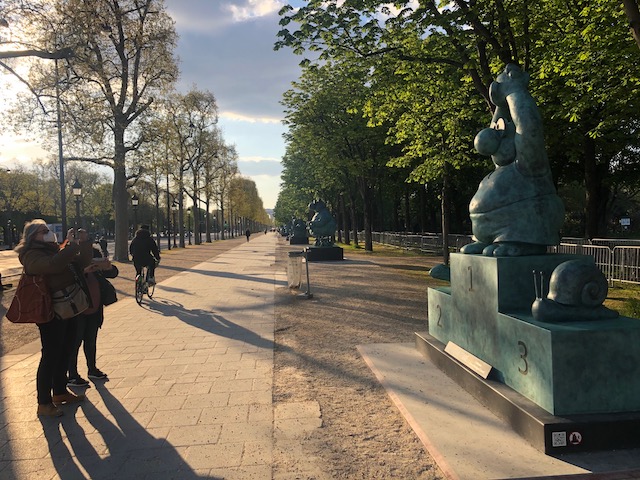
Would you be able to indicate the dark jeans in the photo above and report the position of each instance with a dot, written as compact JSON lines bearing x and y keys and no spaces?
{"x":57,"y":338}
{"x":150,"y":265}
{"x":86,"y":333}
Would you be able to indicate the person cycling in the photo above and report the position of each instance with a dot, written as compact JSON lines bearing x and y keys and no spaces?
{"x":144,"y":251}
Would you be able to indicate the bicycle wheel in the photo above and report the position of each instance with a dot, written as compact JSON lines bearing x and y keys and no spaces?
{"x":151,"y":288}
{"x":139,"y":288}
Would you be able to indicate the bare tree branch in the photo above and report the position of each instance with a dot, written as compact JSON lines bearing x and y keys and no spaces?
{"x":56,"y":55}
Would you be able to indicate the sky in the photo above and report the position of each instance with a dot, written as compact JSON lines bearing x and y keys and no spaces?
{"x":225,"y":47}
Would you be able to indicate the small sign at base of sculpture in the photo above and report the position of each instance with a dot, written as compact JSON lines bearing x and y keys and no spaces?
{"x":468,"y":360}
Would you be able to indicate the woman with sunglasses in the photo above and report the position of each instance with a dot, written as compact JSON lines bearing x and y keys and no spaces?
{"x":40,"y":254}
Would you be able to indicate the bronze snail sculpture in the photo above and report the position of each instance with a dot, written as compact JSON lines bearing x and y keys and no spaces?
{"x":577,"y":290}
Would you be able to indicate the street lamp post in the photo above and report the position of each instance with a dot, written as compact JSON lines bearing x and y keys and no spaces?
{"x":134,"y":204}
{"x":63,"y":198}
{"x":168,"y":216}
{"x":77,"y":192}
{"x":189,"y":224}
{"x":174,"y":210}
{"x":10,"y":234}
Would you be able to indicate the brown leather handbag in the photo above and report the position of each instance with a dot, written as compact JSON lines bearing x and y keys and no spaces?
{"x":32,"y":301}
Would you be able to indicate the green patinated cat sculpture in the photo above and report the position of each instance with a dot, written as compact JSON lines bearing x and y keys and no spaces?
{"x":516,"y":210}
{"x":322,"y":225}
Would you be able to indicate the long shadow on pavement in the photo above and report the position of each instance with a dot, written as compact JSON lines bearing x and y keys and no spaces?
{"x":209,"y":322}
{"x":120,"y":448}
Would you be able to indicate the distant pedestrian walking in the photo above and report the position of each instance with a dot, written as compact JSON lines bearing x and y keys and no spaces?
{"x":248,"y":234}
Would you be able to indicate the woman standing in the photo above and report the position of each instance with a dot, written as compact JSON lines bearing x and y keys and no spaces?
{"x":40,"y":254}
{"x":90,"y":321}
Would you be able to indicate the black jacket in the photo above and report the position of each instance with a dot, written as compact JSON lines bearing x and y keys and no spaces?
{"x":143,"y":248}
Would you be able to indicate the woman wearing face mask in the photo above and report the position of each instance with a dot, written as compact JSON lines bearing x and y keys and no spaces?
{"x":40,"y":254}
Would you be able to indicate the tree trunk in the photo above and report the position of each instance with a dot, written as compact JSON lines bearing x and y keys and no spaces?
{"x":121,"y":200}
{"x":345,"y":221}
{"x":421,"y":209}
{"x":207,"y":221}
{"x":339,"y":219}
{"x":181,"y":209}
{"x":445,"y":218}
{"x":368,"y":209}
{"x":593,"y":190}
{"x":396,"y":219}
{"x":196,"y":212}
{"x":354,"y":219}
{"x":158,"y":217}
{"x":633,"y":15}
{"x":221,"y":223}
{"x":407,"y":210}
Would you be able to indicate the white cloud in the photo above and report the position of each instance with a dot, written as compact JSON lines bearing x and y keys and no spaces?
{"x":253,"y":9}
{"x":257,"y":158}
{"x":268,"y":187}
{"x":18,"y":148}
{"x":239,"y":117}
{"x":215,"y":16}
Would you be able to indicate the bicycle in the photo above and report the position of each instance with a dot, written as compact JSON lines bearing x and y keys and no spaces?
{"x":143,"y":286}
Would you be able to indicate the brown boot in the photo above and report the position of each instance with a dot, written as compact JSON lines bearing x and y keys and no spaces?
{"x":49,"y":410}
{"x":67,"y":398}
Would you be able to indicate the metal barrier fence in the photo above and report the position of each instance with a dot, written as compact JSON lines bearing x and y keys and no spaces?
{"x":615,"y":242}
{"x":626,"y":264}
{"x":619,"y":263}
{"x":602,"y":255}
{"x":426,"y":243}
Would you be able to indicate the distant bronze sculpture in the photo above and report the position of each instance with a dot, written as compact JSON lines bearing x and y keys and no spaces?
{"x":299,"y":228}
{"x":322,"y":225}
{"x":516,"y":210}
{"x":299,"y":234}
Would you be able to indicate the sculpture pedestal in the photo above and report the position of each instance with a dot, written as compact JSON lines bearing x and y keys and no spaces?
{"x":298,"y":240}
{"x":567,"y":369}
{"x":324,"y":254}
{"x":550,"y":434}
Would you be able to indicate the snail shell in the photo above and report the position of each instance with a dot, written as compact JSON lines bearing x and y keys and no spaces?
{"x":578,"y":283}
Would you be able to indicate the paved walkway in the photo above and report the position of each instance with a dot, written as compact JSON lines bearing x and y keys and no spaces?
{"x":189,"y":390}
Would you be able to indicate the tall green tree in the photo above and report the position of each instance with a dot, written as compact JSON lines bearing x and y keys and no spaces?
{"x":587,"y":84}
{"x":324,"y":112}
{"x":570,"y":48}
{"x":122,"y":60}
{"x":201,"y":147}
{"x":434,"y":115}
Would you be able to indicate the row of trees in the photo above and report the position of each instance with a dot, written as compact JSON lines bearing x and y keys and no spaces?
{"x":101,"y":73}
{"x":34,"y":192}
{"x":381,"y":122}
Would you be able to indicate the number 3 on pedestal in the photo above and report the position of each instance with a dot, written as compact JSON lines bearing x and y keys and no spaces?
{"x":523,"y":357}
